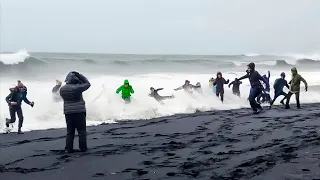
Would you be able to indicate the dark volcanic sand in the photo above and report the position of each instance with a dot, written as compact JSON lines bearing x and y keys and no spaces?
{"x":276,"y":144}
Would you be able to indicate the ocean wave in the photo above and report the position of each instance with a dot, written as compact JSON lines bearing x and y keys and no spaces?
{"x":14,"y":58}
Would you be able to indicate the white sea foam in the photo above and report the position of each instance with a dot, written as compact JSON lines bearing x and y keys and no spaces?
{"x":110,"y":107}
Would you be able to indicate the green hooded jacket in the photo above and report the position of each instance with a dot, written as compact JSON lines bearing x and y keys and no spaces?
{"x":296,"y":80}
{"x":126,"y":91}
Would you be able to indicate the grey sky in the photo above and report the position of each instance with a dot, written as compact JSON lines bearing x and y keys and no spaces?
{"x":161,"y":26}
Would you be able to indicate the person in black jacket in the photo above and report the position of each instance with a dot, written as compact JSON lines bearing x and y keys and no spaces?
{"x":156,"y":96}
{"x":14,"y":100}
{"x":75,"y":109}
{"x":236,"y":87}
{"x":187,"y":87}
{"x":278,"y":85}
{"x":55,"y":91}
{"x":254,"y":78}
{"x":219,"y":82}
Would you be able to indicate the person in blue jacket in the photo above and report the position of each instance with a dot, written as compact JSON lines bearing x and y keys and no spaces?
{"x":278,"y":88}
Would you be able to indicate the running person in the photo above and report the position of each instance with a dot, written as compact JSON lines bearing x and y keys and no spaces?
{"x":278,"y":88}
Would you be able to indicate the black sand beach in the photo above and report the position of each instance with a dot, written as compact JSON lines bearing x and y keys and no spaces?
{"x":276,"y":144}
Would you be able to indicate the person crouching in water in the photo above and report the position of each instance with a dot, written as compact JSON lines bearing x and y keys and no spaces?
{"x":278,"y":88}
{"x":254,"y":78}
{"x":14,"y":100}
{"x":220,"y":81}
{"x":126,"y":91}
{"x":295,"y":87}
{"x":55,"y":91}
{"x":236,"y":87}
{"x":156,"y":96}
{"x":187,"y":87}
{"x":75,"y":109}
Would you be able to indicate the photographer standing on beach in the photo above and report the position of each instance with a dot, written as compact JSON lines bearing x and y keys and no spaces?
{"x":75,"y":109}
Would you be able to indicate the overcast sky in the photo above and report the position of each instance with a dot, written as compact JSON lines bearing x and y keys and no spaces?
{"x":161,"y":26}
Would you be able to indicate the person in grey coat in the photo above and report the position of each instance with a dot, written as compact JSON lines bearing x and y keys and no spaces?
{"x":75,"y":109}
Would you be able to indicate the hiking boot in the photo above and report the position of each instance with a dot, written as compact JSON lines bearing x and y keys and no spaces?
{"x":8,"y":122}
{"x":19,"y":131}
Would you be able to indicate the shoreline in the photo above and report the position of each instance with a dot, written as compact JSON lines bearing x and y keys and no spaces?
{"x":223,"y":144}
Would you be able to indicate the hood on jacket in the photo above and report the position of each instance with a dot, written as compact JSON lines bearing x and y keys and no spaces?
{"x":294,"y":71}
{"x":72,"y":79}
{"x":219,"y":73}
{"x":126,"y":82}
{"x":252,"y":66}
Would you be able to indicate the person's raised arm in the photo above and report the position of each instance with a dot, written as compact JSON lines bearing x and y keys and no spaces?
{"x":85,"y":82}
{"x":159,"y":89}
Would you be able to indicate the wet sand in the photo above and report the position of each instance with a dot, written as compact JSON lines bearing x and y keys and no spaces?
{"x":276,"y":144}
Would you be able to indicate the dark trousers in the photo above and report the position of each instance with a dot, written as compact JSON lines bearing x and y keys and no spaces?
{"x":13,"y":110}
{"x":236,"y":92}
{"x":220,"y":94}
{"x":277,"y":94}
{"x":297,"y":99}
{"x":252,"y":99}
{"x":76,"y":121}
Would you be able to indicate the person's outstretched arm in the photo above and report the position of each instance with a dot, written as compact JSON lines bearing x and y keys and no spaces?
{"x":159,"y":89}
{"x":244,"y":77}
{"x":231,"y":83}
{"x":131,"y":90}
{"x":26,"y":100}
{"x":224,"y":81}
{"x":179,"y":88}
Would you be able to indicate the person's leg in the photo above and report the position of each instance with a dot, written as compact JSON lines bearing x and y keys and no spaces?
{"x":70,"y":131}
{"x":217,"y":93}
{"x":276,"y":95}
{"x":298,"y":100}
{"x":20,"y":116}
{"x":254,"y":105}
{"x":288,"y":99}
{"x":82,"y":130}
{"x":285,"y":97}
{"x":12,"y":111}
{"x":221,"y":96}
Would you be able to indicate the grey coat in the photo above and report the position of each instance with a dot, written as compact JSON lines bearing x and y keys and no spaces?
{"x":71,"y":93}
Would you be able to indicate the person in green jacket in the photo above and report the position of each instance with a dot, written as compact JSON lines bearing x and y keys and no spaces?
{"x":295,"y":87}
{"x":126,"y":90}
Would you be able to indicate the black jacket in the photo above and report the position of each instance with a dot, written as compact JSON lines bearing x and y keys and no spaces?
{"x":71,"y":93}
{"x":236,"y":86}
{"x":255,"y":78}
{"x":279,"y":84}
{"x":219,"y":82}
